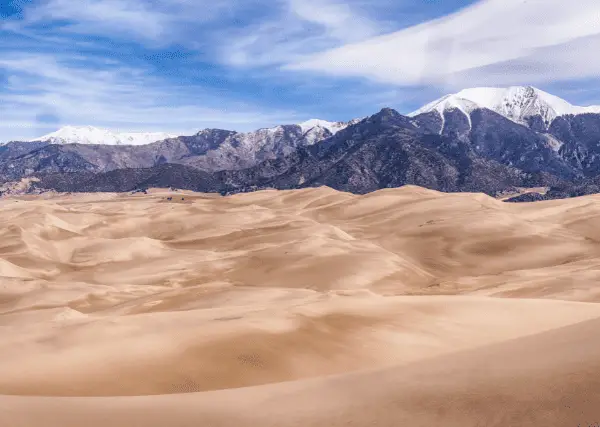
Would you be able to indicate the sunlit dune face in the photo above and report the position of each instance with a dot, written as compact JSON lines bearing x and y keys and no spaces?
{"x":171,"y":293}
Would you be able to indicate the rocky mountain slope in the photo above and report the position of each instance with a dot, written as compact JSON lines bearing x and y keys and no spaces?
{"x":383,"y":151}
{"x":552,"y":135}
{"x":208,"y":150}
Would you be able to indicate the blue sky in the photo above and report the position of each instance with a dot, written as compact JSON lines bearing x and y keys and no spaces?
{"x":183,"y":65}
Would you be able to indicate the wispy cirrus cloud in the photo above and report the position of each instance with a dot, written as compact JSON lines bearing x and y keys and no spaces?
{"x":492,"y":41}
{"x":78,"y":91}
{"x":115,"y":68}
{"x":107,"y":83}
{"x":145,"y":20}
{"x":298,"y":28}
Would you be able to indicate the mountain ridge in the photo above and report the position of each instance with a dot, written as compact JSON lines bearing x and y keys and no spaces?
{"x":516,"y":103}
{"x":92,"y":135}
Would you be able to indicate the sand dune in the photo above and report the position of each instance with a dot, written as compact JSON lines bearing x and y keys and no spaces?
{"x":307,"y":307}
{"x":550,"y":379}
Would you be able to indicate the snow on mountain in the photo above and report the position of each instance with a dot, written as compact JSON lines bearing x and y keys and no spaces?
{"x":314,"y":130}
{"x":333,"y":127}
{"x":93,"y":135}
{"x":238,"y":150}
{"x":515,"y":102}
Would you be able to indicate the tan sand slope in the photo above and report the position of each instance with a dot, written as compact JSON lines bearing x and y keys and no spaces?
{"x":550,"y":379}
{"x":309,"y":307}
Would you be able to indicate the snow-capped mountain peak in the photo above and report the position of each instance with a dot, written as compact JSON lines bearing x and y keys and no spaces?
{"x":515,"y":102}
{"x":333,"y":127}
{"x":97,"y":136}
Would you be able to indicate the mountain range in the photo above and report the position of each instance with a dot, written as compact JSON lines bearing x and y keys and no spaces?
{"x":491,"y":140}
{"x":95,"y":136}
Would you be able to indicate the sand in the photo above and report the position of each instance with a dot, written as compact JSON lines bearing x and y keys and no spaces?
{"x":299,"y":308}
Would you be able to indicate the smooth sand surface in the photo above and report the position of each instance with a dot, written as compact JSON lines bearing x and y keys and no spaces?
{"x":299,"y":308}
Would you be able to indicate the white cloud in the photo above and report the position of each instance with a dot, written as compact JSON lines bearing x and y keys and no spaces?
{"x":147,"y":20}
{"x":298,"y":28}
{"x":234,"y":32}
{"x":78,"y":92}
{"x":494,"y":41}
{"x":246,"y":33}
{"x":338,"y":20}
{"x":95,"y":17}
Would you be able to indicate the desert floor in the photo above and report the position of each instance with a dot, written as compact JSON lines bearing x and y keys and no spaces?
{"x":404,"y":307}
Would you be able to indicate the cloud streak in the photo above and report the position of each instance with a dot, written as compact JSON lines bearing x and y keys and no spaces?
{"x":145,"y":20}
{"x":299,"y":28}
{"x":489,"y":41}
{"x":88,"y":84}
{"x":78,"y":91}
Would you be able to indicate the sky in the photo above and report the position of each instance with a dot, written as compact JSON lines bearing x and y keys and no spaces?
{"x":183,"y":65}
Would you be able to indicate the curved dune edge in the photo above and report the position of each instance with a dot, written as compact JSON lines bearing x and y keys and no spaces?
{"x":548,"y":379}
{"x":306,"y":307}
